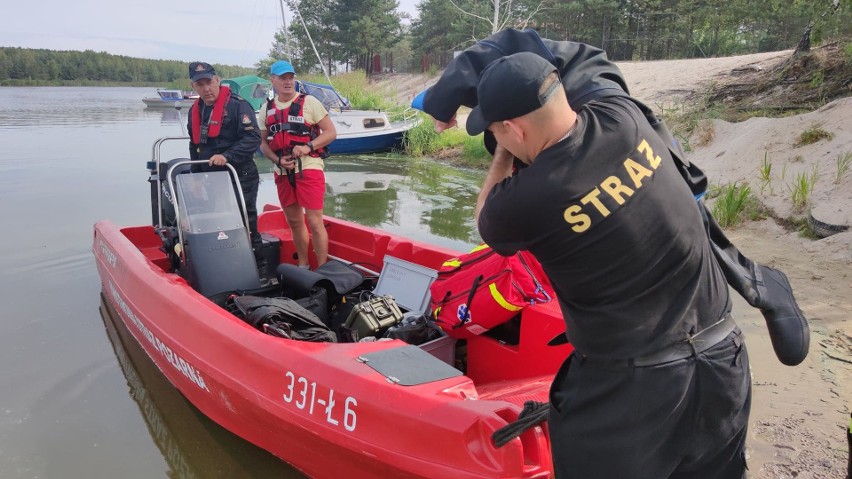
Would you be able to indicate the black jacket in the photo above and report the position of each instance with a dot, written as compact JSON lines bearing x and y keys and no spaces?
{"x":238,"y":140}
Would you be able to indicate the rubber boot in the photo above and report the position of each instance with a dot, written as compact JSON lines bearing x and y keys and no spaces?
{"x":788,"y":328}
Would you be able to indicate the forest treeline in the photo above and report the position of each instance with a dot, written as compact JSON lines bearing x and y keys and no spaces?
{"x":26,"y":66}
{"x":353,"y":33}
{"x":373,"y":35}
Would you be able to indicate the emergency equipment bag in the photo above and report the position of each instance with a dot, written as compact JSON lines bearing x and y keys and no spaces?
{"x":482,"y":289}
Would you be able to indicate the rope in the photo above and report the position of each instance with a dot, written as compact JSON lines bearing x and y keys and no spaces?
{"x":533,"y":413}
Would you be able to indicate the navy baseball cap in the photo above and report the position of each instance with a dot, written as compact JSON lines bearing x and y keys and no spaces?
{"x":199,"y":70}
{"x":509,"y":88}
{"x":281,"y":67}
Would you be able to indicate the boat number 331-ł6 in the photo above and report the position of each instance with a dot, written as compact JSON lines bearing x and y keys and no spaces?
{"x":307,"y":396}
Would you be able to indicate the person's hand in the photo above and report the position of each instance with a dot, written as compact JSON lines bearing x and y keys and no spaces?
{"x":287,"y":163}
{"x":217,"y":160}
{"x":301,"y":150}
{"x":445,"y":125}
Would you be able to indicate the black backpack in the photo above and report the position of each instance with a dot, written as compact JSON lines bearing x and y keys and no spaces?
{"x":283,"y":317}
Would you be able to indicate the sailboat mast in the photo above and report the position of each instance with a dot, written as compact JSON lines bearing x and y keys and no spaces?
{"x":319,"y":58}
{"x":288,"y":53}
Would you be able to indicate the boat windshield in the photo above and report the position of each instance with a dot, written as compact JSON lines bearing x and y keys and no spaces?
{"x":170,"y":94}
{"x":326,"y":94}
{"x":207,"y":202}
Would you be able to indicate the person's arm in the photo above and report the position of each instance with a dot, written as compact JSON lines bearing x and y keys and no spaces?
{"x":586,"y":72}
{"x":500,"y":169}
{"x":328,"y":133}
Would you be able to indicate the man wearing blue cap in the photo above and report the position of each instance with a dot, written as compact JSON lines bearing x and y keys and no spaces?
{"x":295,"y":130}
{"x":223,"y":130}
{"x":658,"y":384}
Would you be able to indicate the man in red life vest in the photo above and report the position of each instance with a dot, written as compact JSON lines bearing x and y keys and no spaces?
{"x":295,"y":129}
{"x":223,"y":130}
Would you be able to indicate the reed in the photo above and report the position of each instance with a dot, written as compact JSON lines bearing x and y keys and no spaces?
{"x":802,"y":187}
{"x":844,"y":162}
{"x":355,"y":87}
{"x":422,"y":139}
{"x":732,"y":204}
{"x":766,"y":173}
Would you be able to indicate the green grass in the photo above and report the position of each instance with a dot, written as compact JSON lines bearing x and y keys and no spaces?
{"x":844,"y":162}
{"x":801,"y":188}
{"x":354,"y":86}
{"x":766,"y":173}
{"x":812,"y":135}
{"x":422,"y":140}
{"x":734,"y":204}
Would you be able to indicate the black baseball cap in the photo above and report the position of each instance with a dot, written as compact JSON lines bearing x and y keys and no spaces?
{"x":509,"y":88}
{"x":199,"y":70}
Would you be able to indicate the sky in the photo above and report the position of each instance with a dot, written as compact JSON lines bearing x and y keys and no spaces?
{"x":225,"y":32}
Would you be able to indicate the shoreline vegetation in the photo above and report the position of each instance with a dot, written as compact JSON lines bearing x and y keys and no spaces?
{"x":806,"y":82}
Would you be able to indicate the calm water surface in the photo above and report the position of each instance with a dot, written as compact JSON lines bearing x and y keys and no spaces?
{"x":76,"y":399}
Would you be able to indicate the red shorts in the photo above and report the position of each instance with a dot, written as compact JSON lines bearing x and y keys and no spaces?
{"x":308,"y":193}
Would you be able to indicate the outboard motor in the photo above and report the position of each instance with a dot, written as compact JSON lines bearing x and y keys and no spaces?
{"x":214,"y":247}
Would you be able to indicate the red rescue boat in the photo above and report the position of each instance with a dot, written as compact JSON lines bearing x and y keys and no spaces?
{"x":335,"y":409}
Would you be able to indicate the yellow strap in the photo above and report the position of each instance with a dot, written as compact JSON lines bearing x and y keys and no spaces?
{"x":454,"y":262}
{"x":479,"y":248}
{"x":501,"y":300}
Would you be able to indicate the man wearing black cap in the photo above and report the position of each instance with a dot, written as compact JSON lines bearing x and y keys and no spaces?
{"x":223,"y":130}
{"x":658,"y":385}
{"x":587,"y":75}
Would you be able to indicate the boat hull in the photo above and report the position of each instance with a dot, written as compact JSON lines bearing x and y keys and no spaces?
{"x":355,"y":145}
{"x":318,"y":406}
{"x":159,"y":103}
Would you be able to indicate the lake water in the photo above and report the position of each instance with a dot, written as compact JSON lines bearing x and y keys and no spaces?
{"x":77,"y":402}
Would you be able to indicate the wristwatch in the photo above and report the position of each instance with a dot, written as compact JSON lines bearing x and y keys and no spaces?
{"x":311,"y":146}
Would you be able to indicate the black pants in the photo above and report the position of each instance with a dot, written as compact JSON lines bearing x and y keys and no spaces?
{"x":683,"y":419}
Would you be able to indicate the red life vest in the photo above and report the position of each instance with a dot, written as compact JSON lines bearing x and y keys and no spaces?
{"x":288,"y":128}
{"x":215,"y":122}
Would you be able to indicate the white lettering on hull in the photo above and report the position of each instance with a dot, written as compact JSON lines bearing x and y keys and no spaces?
{"x":180,"y":364}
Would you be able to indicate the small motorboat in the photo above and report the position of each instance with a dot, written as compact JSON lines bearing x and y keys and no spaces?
{"x":359,"y":131}
{"x":365,"y":409}
{"x":167,"y":98}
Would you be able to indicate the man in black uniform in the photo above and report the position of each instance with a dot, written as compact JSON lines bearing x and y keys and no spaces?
{"x":587,"y":75}
{"x":223,"y":129}
{"x":658,"y":385}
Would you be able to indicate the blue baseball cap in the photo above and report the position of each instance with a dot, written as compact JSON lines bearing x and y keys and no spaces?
{"x":281,"y":67}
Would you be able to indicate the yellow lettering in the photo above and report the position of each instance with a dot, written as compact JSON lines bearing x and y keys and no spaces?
{"x":592,"y":198}
{"x":613,"y":186}
{"x":644,"y":147}
{"x":636,"y":172}
{"x":580,"y":221}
